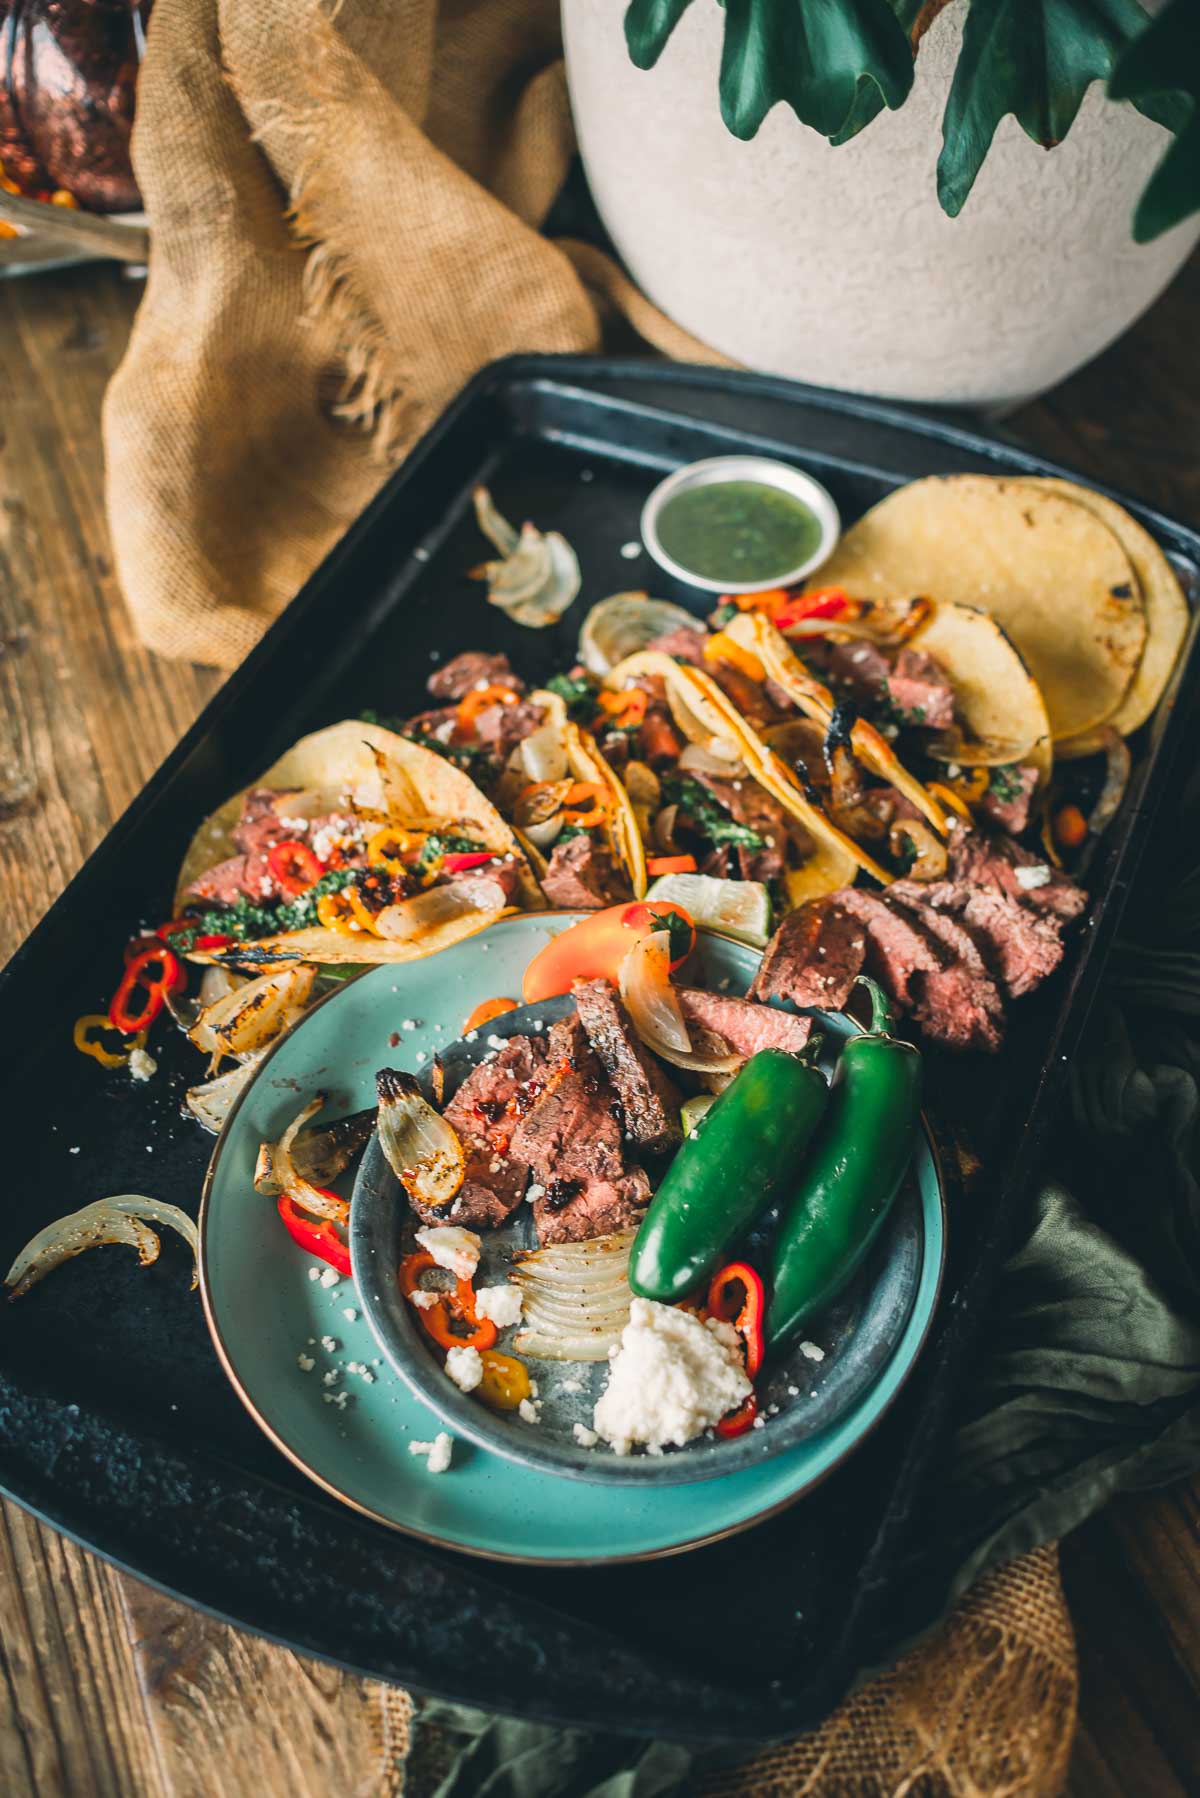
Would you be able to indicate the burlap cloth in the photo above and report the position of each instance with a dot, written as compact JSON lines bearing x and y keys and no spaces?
{"x":344,"y":208}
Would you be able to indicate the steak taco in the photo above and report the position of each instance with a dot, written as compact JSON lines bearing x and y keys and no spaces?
{"x":357,"y":846}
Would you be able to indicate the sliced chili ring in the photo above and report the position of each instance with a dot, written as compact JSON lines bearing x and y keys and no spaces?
{"x":293,"y":866}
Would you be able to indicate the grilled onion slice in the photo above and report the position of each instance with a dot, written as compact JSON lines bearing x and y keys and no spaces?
{"x":121,"y":1218}
{"x":576,"y":1298}
{"x":421,"y":1148}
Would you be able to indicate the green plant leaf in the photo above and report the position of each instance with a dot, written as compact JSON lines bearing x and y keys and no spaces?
{"x":1166,"y":56}
{"x":868,"y":101}
{"x":1035,"y":59}
{"x":813,"y":55}
{"x":648,"y":25}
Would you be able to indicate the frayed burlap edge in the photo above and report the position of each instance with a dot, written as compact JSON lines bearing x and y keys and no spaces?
{"x":985,"y":1708}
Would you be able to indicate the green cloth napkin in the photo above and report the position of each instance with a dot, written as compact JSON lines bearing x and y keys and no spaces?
{"x":1089,"y":1378}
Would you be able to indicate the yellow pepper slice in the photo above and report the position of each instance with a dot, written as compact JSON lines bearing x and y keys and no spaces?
{"x":333,"y":911}
{"x":720,"y":647}
{"x":505,"y":1381}
{"x":86,"y":1039}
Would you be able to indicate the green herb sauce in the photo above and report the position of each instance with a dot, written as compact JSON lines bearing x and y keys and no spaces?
{"x":738,"y":531}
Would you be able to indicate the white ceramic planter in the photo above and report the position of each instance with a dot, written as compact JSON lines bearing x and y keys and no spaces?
{"x":838,"y":266}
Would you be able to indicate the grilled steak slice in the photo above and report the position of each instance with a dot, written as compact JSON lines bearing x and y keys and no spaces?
{"x":241,"y":877}
{"x":470,"y":670}
{"x":749,"y":804}
{"x":649,"y":1100}
{"x":897,"y":947}
{"x":751,"y":699}
{"x":685,"y":645}
{"x":746,"y":1026}
{"x":979,"y":861}
{"x":1012,"y":814}
{"x":502,"y":870}
{"x":583,"y":875}
{"x":1022,"y":947}
{"x":484,"y":1112}
{"x":920,"y":692}
{"x":502,"y":727}
{"x":959,"y":1005}
{"x":571,"y":1141}
{"x":814,"y":957}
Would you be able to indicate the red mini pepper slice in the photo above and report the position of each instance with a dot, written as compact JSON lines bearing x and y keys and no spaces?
{"x":823,"y":602}
{"x":455,"y":1305}
{"x":458,"y":861}
{"x":736,"y":1296}
{"x":141,"y":995}
{"x":316,"y":1235}
{"x":293,"y":866}
{"x":741,"y":1420}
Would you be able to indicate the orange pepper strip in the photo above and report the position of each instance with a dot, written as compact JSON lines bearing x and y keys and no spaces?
{"x":624,"y":710}
{"x":573,"y":800}
{"x":486,"y":1010}
{"x":454,"y":1305}
{"x":1070,"y":827}
{"x":720,"y":647}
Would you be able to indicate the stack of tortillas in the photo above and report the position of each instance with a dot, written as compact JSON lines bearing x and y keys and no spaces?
{"x":1084,"y":592}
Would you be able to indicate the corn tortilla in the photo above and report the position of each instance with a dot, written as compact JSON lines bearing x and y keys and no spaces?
{"x":1050,"y":570}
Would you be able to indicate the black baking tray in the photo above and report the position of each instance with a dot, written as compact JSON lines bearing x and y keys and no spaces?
{"x":116,"y":1423}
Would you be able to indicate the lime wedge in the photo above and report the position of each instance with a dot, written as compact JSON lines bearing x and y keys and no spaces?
{"x":739,"y":908}
{"x":694,"y":1109}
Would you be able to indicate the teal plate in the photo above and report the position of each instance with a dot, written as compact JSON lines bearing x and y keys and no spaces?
{"x":348,"y":1420}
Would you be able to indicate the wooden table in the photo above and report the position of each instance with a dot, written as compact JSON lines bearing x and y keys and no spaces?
{"x":109,"y":1688}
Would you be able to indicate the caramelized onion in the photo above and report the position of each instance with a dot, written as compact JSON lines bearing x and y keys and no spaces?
{"x":290,"y":1180}
{"x":576,"y":1298}
{"x":651,"y":1000}
{"x":251,"y":1015}
{"x":1116,"y":779}
{"x":316,"y":1155}
{"x":414,"y":918}
{"x":543,"y":753}
{"x":421,"y":1148}
{"x":212,"y":1102}
{"x":930,"y":860}
{"x":121,"y":1218}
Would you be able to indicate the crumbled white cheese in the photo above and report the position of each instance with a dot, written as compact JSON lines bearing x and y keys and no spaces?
{"x":671,"y":1378}
{"x":330,"y":1344}
{"x":314,"y":1273}
{"x":496,"y":1042}
{"x":586,"y":1438}
{"x":571,"y":1386}
{"x":529,"y":1411}
{"x":438,"y":1451}
{"x":296,"y":826}
{"x":465,"y":1367}
{"x":502,"y":1304}
{"x":532,"y":1193}
{"x":631,"y":550}
{"x":410,"y":1023}
{"x":349,"y":1313}
{"x":329,"y":1278}
{"x":305,"y":1363}
{"x":424,"y":1301}
{"x":141,"y":1065}
{"x":331,"y":1378}
{"x":1036,"y":876}
{"x":453,"y":1248}
{"x":812,"y":1351}
{"x":364,"y":1373}
{"x":266,"y":885}
{"x":340,"y":1399}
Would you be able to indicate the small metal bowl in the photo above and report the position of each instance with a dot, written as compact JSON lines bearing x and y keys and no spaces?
{"x":719,"y":469}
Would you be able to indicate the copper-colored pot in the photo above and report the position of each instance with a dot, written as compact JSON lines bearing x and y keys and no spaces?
{"x":68,"y":77}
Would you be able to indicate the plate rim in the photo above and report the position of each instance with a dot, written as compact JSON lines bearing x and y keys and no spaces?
{"x":505,"y":1557}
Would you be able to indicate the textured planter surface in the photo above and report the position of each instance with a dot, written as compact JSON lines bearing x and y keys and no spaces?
{"x":838,"y":266}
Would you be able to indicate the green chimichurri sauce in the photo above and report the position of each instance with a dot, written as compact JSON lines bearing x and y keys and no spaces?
{"x":738,"y":531}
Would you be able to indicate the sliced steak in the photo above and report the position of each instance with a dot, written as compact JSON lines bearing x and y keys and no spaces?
{"x":650,"y":1102}
{"x":684,"y":644}
{"x":1012,"y":814}
{"x":241,"y":877}
{"x":745,"y":1025}
{"x":571,"y":1140}
{"x":484,"y":1112}
{"x":472,"y":669}
{"x":860,"y":667}
{"x":751,"y":699}
{"x":814,"y":957}
{"x":995,"y":861}
{"x":659,"y":743}
{"x":502,"y":727}
{"x":751,"y":805}
{"x":1022,"y":946}
{"x":898,"y":948}
{"x":920,"y":692}
{"x":583,"y":875}
{"x":959,"y":1005}
{"x":503,"y":870}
